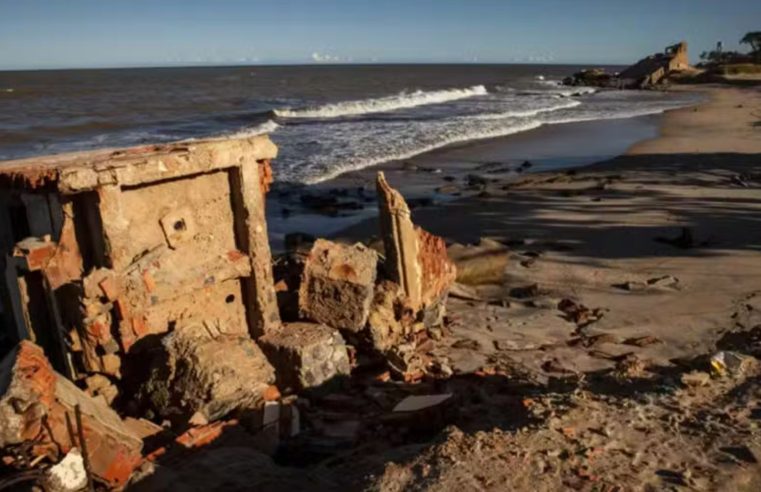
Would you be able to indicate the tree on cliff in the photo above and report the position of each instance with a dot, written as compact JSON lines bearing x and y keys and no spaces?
{"x":754,"y":40}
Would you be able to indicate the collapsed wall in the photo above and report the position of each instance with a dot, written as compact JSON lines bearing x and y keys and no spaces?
{"x":144,"y":276}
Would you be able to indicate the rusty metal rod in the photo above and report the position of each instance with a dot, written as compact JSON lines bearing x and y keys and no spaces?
{"x":83,"y":445}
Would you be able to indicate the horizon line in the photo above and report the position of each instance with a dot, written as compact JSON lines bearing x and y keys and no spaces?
{"x":300,"y":64}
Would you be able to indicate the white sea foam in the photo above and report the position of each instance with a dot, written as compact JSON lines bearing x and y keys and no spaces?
{"x":574,"y":91}
{"x":360,"y":163}
{"x":268,"y":126}
{"x":379,"y":141}
{"x":529,"y":112}
{"x":383,"y":104}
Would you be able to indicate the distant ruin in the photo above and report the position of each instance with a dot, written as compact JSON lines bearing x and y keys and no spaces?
{"x":647,"y":72}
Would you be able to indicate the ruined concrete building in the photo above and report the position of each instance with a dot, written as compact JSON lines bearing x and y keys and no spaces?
{"x":654,"y":68}
{"x":104,"y":249}
{"x":140,"y":280}
{"x":646,"y":73}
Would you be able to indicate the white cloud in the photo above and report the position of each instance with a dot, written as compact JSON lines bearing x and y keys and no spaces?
{"x":325,"y":58}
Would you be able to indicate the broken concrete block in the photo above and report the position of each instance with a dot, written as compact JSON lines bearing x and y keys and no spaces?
{"x":306,"y":355}
{"x":68,"y":475}
{"x":415,"y":259}
{"x":337,"y":284}
{"x":195,"y":373}
{"x":390,"y":319}
{"x":36,"y":403}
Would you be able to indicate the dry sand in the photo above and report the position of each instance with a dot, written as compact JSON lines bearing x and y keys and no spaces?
{"x":663,"y":244}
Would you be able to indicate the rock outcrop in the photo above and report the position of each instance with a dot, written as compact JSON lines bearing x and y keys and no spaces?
{"x":646,"y":73}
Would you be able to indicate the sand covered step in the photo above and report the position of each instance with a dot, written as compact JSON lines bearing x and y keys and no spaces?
{"x":337,"y":284}
{"x":306,"y":355}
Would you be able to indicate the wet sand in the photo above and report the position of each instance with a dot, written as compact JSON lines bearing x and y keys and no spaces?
{"x":610,"y":218}
{"x":422,"y":177}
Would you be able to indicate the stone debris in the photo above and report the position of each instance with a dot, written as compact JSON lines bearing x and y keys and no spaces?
{"x":39,"y":405}
{"x":579,"y":313}
{"x":194,"y":374}
{"x":390,"y":320}
{"x":337,"y":285}
{"x":726,"y":363}
{"x":696,"y":378}
{"x":306,"y":355}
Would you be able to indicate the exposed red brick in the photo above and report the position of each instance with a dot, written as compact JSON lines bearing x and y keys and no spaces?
{"x":110,"y":288}
{"x":201,"y":436}
{"x":36,"y":392}
{"x":438,"y":271}
{"x":265,"y":175}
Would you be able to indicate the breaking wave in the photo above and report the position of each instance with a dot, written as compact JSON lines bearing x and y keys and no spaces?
{"x":268,"y":126}
{"x":391,"y":103}
{"x":361,"y":163}
{"x":526,"y":113}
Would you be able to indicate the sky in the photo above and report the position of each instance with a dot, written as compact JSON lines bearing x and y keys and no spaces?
{"x":38,"y":34}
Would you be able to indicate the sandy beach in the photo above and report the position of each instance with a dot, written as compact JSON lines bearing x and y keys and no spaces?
{"x":663,"y":246}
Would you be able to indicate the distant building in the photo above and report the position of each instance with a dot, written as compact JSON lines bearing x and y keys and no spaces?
{"x":651,"y":70}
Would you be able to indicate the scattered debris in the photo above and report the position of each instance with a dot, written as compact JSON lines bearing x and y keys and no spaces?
{"x":68,"y":475}
{"x":40,"y":406}
{"x":726,"y":363}
{"x":643,"y":341}
{"x":208,"y":376}
{"x":579,"y":313}
{"x":696,"y":378}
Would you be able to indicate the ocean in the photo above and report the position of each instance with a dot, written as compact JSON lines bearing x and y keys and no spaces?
{"x":325,"y":119}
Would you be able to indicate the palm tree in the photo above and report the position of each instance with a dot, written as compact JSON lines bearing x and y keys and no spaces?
{"x":754,"y":40}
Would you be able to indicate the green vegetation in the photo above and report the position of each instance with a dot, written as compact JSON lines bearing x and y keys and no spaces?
{"x":734,"y":62}
{"x":754,"y":40}
{"x":740,"y":68}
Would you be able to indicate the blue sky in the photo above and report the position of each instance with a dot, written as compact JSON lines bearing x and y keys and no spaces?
{"x":116,"y":33}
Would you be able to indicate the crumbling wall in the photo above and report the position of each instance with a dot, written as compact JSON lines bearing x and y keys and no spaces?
{"x":121,"y":246}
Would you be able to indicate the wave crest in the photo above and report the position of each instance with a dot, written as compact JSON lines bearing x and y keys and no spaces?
{"x":383,"y":104}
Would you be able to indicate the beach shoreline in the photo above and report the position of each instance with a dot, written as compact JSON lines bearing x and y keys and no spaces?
{"x":661,"y":246}
{"x":442,"y":175}
{"x":719,"y":124}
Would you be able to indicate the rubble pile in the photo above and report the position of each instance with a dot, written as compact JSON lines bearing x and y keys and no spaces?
{"x":142,"y":319}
